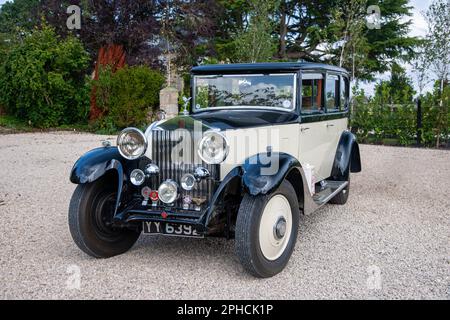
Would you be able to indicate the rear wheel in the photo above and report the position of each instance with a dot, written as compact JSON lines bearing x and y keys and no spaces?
{"x":342,"y":197}
{"x":91,"y":213}
{"x":266,"y":231}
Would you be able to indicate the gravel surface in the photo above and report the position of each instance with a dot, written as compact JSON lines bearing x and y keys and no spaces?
{"x":391,"y":240}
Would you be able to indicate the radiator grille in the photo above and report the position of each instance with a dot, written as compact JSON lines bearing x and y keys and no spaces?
{"x":163,"y":144}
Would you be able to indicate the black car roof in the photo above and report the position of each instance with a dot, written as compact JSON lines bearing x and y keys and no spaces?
{"x":264,"y":67}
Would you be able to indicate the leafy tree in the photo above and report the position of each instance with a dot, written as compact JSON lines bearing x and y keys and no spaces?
{"x":188,"y":28}
{"x":391,"y":42}
{"x":127,"y":96}
{"x":115,"y":32}
{"x":18,"y":16}
{"x":43,"y":80}
{"x":304,"y":27}
{"x":398,"y":90}
{"x":255,"y":43}
{"x":421,"y":66}
{"x":111,"y":24}
{"x":17,"y":19}
{"x":335,"y":31}
{"x":438,"y":53}
{"x":438,"y":39}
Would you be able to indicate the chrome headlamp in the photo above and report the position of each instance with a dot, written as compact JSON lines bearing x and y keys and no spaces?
{"x":168,"y":191}
{"x":213,"y":148}
{"x":131,"y":143}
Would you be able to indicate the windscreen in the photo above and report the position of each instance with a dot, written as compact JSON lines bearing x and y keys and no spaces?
{"x":244,"y":91}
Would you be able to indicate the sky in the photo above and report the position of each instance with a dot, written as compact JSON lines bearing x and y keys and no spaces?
{"x":418,"y":28}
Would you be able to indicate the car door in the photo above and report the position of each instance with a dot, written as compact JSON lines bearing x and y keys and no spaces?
{"x":336,"y":103}
{"x":313,"y":135}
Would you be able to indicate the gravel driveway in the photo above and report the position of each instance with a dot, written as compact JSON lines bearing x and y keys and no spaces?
{"x":391,"y":240}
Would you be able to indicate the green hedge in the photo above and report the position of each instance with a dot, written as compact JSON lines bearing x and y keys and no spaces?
{"x":397,"y":124}
{"x":127,"y":96}
{"x":42,"y":80}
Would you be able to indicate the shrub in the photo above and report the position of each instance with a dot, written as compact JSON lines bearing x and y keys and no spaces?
{"x":43,"y":80}
{"x":127,"y":96}
{"x":375,"y":122}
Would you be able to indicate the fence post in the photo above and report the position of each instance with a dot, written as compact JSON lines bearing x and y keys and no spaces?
{"x":419,"y":121}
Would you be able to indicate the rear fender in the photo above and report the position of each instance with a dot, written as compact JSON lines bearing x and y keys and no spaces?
{"x":347,"y":153}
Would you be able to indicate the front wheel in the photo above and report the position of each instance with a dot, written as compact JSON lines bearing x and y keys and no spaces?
{"x":90,"y":220}
{"x":266,"y":231}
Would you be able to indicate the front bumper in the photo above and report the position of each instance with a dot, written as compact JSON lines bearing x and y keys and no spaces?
{"x":136,"y":213}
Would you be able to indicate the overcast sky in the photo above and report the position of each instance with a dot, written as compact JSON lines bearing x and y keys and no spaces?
{"x":417,"y":29}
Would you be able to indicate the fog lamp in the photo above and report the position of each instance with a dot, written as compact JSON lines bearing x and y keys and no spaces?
{"x":188,"y":182}
{"x":168,"y":191}
{"x":137,"y":177}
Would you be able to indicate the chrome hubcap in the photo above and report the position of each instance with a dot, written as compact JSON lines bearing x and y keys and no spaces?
{"x":279,"y":228}
{"x":275,"y":227}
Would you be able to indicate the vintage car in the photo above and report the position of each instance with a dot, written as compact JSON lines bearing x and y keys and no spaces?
{"x":260,"y":144}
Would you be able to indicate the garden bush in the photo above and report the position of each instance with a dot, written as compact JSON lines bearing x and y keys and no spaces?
{"x":43,"y":81}
{"x":378,"y":123}
{"x":127,"y":96}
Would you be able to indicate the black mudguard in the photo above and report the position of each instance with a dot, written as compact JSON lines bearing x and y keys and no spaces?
{"x":347,"y":153}
{"x":96,"y":163}
{"x":252,"y":177}
{"x":256,"y":182}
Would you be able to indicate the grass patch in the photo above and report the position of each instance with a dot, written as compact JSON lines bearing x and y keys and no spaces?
{"x":9,"y":123}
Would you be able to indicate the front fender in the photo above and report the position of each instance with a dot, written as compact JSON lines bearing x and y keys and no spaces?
{"x":95,"y":163}
{"x":256,"y":176}
{"x":261,"y":176}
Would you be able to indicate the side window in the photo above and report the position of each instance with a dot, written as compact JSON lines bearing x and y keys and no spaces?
{"x":332,"y":93}
{"x":344,"y":96}
{"x":312,"y":90}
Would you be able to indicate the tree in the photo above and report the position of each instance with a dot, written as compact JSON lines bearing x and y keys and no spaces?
{"x":18,"y":15}
{"x":115,"y":32}
{"x":438,"y":40}
{"x":188,"y":28}
{"x":255,"y":43}
{"x":17,"y":19}
{"x":336,"y":32}
{"x":438,"y":53}
{"x":421,"y":65}
{"x":397,"y":90}
{"x":43,"y":79}
{"x":348,"y":24}
{"x":304,"y":28}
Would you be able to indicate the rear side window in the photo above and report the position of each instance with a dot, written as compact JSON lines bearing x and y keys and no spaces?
{"x":345,"y":86}
{"x":312,"y":92}
{"x":332,"y":95}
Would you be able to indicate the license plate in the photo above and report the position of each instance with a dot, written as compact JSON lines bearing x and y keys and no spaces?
{"x":170,"y":229}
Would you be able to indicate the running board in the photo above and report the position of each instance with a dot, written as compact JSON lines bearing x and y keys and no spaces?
{"x":326,"y":191}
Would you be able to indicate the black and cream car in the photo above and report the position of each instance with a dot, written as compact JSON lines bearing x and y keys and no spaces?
{"x":261,"y":144}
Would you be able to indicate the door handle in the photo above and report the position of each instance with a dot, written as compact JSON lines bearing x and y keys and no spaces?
{"x":304,"y":129}
{"x":330,"y":125}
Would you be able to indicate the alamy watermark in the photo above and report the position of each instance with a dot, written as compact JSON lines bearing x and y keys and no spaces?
{"x":73,"y":22}
{"x":374,"y":279}
{"x":373,"y":18}
{"x":73,"y":281}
